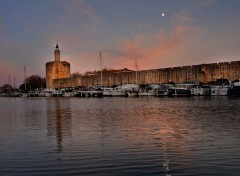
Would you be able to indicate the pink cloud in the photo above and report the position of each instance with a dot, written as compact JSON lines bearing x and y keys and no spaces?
{"x":79,"y":9}
{"x":154,"y":50}
{"x":151,"y":50}
{"x":159,"y":49}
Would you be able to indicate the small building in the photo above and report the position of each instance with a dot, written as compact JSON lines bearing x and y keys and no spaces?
{"x":56,"y":70}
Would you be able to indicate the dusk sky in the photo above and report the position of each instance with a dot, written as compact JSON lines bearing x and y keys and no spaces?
{"x":156,"y":33}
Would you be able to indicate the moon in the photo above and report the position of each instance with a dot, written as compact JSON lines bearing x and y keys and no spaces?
{"x":163,"y":14}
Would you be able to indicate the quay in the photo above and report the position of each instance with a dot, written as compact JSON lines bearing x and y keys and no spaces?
{"x":220,"y":87}
{"x":79,"y":93}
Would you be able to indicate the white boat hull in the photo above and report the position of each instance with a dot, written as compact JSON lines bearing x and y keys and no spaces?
{"x":219,"y":91}
{"x":200,"y":91}
{"x":132,"y":94}
{"x":118,"y":93}
{"x":146,"y":93}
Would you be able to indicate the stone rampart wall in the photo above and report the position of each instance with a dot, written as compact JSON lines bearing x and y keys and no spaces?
{"x":67,"y":82}
{"x":196,"y":73}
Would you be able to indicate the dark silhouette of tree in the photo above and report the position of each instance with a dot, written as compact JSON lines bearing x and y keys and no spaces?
{"x":76,"y":74}
{"x":6,"y":88}
{"x":33,"y":82}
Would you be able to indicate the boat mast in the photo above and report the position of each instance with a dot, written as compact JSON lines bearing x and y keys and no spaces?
{"x":14,"y":82}
{"x":136,"y":67}
{"x":25,"y":78}
{"x":101,"y":67}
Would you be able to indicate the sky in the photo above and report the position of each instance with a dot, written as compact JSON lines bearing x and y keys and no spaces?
{"x":153,"y":33}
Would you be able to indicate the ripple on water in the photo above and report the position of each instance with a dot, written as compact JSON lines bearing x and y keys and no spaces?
{"x":119,"y":136}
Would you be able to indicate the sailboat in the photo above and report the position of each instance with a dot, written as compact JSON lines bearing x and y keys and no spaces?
{"x":25,"y":82}
{"x":106,"y":91}
{"x":133,"y":90}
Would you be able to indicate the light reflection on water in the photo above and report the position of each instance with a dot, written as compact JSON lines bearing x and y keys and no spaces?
{"x":120,"y":136}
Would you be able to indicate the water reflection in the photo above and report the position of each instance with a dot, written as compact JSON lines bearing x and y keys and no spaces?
{"x":59,"y":120}
{"x":120,"y":136}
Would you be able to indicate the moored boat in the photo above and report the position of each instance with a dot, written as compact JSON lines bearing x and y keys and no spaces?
{"x":132,"y":93}
{"x":48,"y":92}
{"x":182,"y":89}
{"x":234,"y":90}
{"x":131,"y":90}
{"x":118,"y":91}
{"x":163,"y":90}
{"x":68,"y":92}
{"x":123,"y":89}
{"x":201,"y":90}
{"x":220,"y":87}
{"x":107,"y":91}
{"x":149,"y":90}
{"x":57,"y":93}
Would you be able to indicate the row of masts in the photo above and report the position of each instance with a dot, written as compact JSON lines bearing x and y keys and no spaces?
{"x":14,"y":79}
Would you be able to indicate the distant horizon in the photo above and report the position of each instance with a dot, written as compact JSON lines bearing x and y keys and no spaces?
{"x":159,"y":34}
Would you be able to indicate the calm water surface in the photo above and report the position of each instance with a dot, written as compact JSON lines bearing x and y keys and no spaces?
{"x":120,"y":136}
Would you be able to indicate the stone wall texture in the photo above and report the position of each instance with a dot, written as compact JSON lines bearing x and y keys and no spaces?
{"x":67,"y":82}
{"x":56,"y":70}
{"x":196,"y":73}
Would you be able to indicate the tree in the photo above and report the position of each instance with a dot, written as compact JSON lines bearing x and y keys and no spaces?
{"x":6,"y":88}
{"x":76,"y":74}
{"x":33,"y":82}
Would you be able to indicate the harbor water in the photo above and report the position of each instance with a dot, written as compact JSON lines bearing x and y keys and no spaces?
{"x":120,"y":136}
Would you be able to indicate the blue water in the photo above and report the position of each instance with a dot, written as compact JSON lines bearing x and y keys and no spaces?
{"x":120,"y":136}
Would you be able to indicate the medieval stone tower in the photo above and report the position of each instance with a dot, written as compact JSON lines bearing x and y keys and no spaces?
{"x":56,"y":69}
